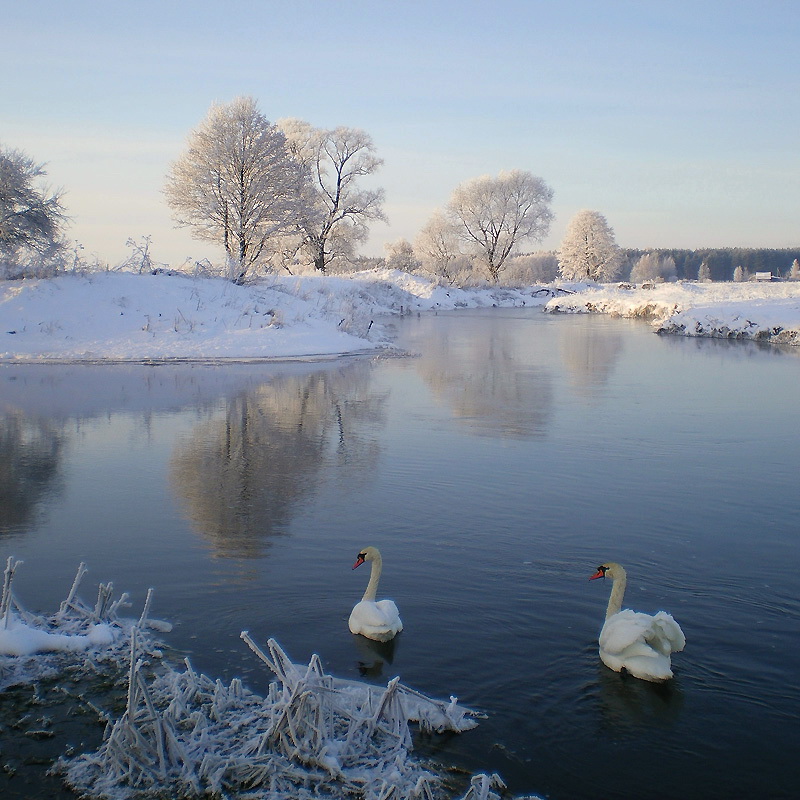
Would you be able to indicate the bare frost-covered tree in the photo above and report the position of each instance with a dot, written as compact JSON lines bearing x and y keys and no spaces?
{"x":493,"y":215}
{"x":437,"y":246}
{"x":337,"y":210}
{"x":654,"y":267}
{"x":400,"y":255}
{"x":588,"y":250}
{"x":236,"y":184}
{"x":31,"y":215}
{"x":794,"y":271}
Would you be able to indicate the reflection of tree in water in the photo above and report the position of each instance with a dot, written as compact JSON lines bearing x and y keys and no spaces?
{"x":30,"y":452}
{"x":589,"y":353}
{"x":486,"y":375}
{"x":241,"y":475}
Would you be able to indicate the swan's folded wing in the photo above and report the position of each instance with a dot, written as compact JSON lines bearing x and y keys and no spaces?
{"x":368,"y":613}
{"x":390,"y":613}
{"x":655,"y":667}
{"x":380,"y":615}
{"x":623,"y":630}
{"x":666,"y":635}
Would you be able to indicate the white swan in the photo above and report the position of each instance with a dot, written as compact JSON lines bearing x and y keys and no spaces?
{"x":376,"y":620}
{"x":639,"y":643}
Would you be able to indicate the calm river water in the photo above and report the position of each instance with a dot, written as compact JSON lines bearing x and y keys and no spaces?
{"x":495,"y":470}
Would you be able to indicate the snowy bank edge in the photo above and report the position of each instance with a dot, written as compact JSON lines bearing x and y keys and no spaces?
{"x":767,"y":314}
{"x":310,"y":358}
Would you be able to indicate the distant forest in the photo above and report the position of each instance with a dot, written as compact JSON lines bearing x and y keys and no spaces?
{"x":723,"y":261}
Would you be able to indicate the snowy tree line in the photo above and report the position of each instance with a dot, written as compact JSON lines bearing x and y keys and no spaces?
{"x":289,"y":197}
{"x":721,"y":263}
{"x":280,"y":197}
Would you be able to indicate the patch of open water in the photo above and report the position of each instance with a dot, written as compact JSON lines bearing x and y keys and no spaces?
{"x":495,"y":470}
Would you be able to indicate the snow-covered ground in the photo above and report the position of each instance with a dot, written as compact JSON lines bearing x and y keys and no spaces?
{"x":117,"y":316}
{"x":768,"y":311}
{"x":129,"y":317}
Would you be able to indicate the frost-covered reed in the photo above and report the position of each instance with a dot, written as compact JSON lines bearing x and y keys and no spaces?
{"x":34,"y":646}
{"x":311,"y":736}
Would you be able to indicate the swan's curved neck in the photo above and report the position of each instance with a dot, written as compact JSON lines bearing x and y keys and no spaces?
{"x":371,"y":591}
{"x":617,"y":593}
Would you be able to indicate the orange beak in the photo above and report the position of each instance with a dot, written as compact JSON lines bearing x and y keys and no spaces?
{"x":359,"y":562}
{"x":598,"y":574}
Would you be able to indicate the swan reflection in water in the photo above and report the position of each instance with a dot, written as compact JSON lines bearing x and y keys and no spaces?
{"x":372,"y":655}
{"x":626,"y":702}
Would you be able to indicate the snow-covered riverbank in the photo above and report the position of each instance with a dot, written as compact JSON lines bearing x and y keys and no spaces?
{"x":116,"y":316}
{"x":768,"y":311}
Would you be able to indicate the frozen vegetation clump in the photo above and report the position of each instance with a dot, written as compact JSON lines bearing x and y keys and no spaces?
{"x":179,"y":733}
{"x":312,"y":736}
{"x":35,"y":646}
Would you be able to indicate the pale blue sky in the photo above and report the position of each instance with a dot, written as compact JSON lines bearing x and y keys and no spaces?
{"x":679,"y":121}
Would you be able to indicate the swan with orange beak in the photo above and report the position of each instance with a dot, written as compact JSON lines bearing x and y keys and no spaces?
{"x":632,"y":641}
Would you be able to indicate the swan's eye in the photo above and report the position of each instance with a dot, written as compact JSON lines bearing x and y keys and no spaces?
{"x":602,"y":569}
{"x":362,"y":555}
